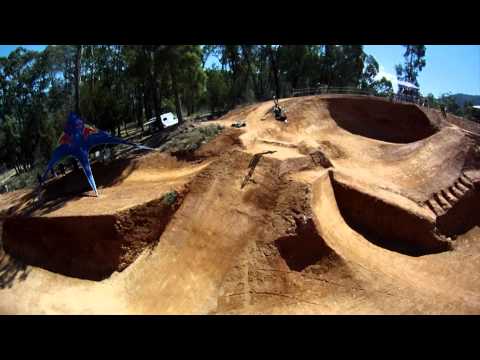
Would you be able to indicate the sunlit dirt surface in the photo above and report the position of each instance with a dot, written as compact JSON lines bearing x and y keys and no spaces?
{"x":364,"y":207}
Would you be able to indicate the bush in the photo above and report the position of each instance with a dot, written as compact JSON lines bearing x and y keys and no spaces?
{"x":191,"y":139}
{"x":170,"y":198}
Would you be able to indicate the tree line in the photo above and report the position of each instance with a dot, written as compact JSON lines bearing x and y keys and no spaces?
{"x":112,"y":86}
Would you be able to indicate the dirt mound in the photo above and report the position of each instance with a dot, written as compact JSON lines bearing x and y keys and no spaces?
{"x":188,"y":140}
{"x":89,"y":247}
{"x":107,"y":174}
{"x":380,"y":119}
{"x":429,"y":277}
{"x":286,"y":256}
{"x":154,"y":161}
{"x":87,"y":237}
{"x":228,"y":140}
{"x":326,"y":221}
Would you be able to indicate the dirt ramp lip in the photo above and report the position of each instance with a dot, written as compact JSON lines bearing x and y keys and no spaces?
{"x":87,"y":247}
{"x":386,"y":224}
{"x":380,"y":119}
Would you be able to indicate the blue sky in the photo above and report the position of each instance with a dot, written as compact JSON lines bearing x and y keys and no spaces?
{"x":450,"y":68}
{"x":7,"y":49}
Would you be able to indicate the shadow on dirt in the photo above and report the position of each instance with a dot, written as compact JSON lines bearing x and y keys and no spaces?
{"x":11,"y":270}
{"x":303,"y":248}
{"x":58,"y":191}
{"x":106,"y":174}
{"x":387,"y":225}
{"x":381,"y":120}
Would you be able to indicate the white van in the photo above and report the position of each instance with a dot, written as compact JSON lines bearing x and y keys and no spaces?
{"x":168,"y":119}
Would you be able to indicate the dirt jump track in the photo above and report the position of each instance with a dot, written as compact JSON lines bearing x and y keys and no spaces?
{"x":356,"y":205}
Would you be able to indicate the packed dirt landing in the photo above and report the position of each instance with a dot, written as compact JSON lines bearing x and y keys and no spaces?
{"x":355,"y":206}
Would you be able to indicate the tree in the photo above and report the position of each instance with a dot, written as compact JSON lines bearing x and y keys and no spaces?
{"x":350,"y":63}
{"x":432,"y":101}
{"x":370,"y":73}
{"x":231,"y":59}
{"x":207,"y":51}
{"x":382,"y":87}
{"x":299,"y":65}
{"x":475,"y":115}
{"x":449,"y":102}
{"x":468,"y":111}
{"x":273,"y":55}
{"x":217,"y":91}
{"x":9,"y":138}
{"x":179,"y":69}
{"x":191,"y":76}
{"x":414,"y":63}
{"x":78,"y":59}
{"x":113,"y":85}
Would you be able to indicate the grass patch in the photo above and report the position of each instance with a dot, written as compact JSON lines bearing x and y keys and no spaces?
{"x":170,"y":198}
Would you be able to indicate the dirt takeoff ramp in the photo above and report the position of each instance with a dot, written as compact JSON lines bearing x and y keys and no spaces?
{"x":87,"y":237}
{"x":356,"y":205}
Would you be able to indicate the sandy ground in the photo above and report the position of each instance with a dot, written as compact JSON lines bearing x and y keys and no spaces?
{"x":282,"y":244}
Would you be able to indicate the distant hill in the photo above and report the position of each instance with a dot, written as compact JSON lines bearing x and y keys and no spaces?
{"x":461,"y":99}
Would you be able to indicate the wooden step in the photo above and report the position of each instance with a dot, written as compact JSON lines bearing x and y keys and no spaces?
{"x":463,"y":179}
{"x":442,"y":201}
{"x":435,"y":207}
{"x":429,"y":205}
{"x":455,"y":191}
{"x":451,"y":198}
{"x":468,"y":178}
{"x":461,"y":187}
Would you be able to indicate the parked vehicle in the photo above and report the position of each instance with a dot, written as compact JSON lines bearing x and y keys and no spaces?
{"x":167,"y":120}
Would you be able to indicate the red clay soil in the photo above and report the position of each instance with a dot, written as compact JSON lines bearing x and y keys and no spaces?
{"x":363,"y":207}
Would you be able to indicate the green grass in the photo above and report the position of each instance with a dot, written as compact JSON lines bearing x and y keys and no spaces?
{"x":170,"y":198}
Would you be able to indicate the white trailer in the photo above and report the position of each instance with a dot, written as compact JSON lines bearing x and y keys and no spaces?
{"x":167,"y":119}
